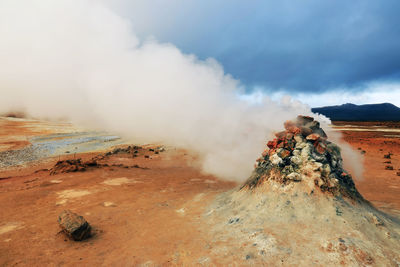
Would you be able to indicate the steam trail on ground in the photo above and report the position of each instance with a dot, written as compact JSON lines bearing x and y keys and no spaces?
{"x":82,"y":61}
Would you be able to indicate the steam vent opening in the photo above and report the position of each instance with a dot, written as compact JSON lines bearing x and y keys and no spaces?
{"x":302,"y":154}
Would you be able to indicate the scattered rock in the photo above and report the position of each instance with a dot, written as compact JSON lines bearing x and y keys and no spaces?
{"x":388,"y":162}
{"x":233,"y":220}
{"x":338,"y":212}
{"x":390,"y":168}
{"x":398,"y":173}
{"x":74,"y":226}
{"x":387,"y":156}
{"x":134,"y":150}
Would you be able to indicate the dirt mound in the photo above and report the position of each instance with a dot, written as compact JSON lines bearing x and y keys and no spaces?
{"x":99,"y":161}
{"x":72,"y":165}
{"x":302,"y":154}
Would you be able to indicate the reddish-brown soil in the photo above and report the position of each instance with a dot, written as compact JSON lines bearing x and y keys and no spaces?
{"x":150,"y":215}
{"x":380,"y":186}
{"x":144,"y":215}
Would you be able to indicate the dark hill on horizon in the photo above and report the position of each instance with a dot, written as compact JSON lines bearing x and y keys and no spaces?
{"x":368,"y":112}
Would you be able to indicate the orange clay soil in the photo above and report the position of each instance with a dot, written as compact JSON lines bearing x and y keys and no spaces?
{"x":148,"y":215}
{"x":138,"y":215}
{"x":380,"y":186}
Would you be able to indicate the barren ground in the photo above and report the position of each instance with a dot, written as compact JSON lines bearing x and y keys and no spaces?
{"x":148,"y":216}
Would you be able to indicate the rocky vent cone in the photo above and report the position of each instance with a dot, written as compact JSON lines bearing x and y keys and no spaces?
{"x":301,"y":208}
{"x":302,"y":154}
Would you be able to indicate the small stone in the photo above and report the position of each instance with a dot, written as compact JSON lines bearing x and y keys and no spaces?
{"x":398,"y":173}
{"x":299,"y":138}
{"x":296,"y":160}
{"x":387,"y":156}
{"x":284,"y":153}
{"x":320,"y":147}
{"x":333,"y":163}
{"x":275,"y":159}
{"x":281,"y":144}
{"x":388,"y":167}
{"x":73,"y":225}
{"x":313,"y":137}
{"x":296,"y":152}
{"x":326,"y":169}
{"x":272,"y":144}
{"x":294,"y":176}
{"x":301,"y":145}
{"x":338,"y":212}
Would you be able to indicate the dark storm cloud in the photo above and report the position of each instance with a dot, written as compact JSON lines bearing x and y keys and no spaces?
{"x":304,"y":46}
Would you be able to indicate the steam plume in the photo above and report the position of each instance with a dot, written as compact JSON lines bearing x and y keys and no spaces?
{"x":79,"y":59}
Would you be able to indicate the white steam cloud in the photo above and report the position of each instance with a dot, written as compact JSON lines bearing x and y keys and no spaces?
{"x":79,"y":59}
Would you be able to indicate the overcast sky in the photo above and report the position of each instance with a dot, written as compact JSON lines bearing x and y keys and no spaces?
{"x":322,"y":52}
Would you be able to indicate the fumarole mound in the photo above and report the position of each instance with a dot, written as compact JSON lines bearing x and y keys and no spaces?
{"x":301,"y":208}
{"x":302,"y":153}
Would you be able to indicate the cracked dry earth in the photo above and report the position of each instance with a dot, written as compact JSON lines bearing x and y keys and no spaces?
{"x":156,"y":210}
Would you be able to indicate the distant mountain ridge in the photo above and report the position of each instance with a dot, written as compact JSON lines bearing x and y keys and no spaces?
{"x":352,"y":112}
